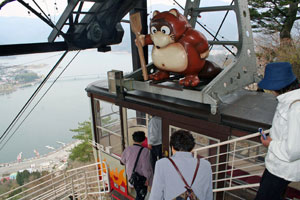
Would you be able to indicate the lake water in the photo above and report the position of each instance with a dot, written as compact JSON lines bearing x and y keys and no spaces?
{"x":60,"y":110}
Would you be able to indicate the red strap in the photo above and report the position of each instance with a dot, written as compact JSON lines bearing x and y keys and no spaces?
{"x":195,"y":174}
{"x":196,"y":171}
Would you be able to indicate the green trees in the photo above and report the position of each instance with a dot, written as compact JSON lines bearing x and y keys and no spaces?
{"x":7,"y":185}
{"x":277,"y":16}
{"x":22,"y":177}
{"x":271,"y":16}
{"x":82,"y":152}
{"x":25,"y":176}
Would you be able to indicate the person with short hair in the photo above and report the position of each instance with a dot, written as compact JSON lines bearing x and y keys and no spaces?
{"x":283,"y":157}
{"x":167,"y":183}
{"x":143,"y":166}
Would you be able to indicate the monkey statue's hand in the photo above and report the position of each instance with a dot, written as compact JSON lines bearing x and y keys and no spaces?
{"x":204,"y":54}
{"x":141,"y":39}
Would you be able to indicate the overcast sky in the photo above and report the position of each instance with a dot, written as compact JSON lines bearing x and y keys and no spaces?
{"x":49,"y":6}
{"x":35,"y":30}
{"x":16,"y":9}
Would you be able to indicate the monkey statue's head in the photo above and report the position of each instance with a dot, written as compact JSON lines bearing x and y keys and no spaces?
{"x":167,"y":27}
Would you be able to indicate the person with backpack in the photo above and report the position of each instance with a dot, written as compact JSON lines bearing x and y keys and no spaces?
{"x":182,"y":176}
{"x":283,"y":158}
{"x":136,"y":159}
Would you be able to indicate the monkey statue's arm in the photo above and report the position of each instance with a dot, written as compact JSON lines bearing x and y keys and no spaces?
{"x":199,"y":41}
{"x":144,"y":39}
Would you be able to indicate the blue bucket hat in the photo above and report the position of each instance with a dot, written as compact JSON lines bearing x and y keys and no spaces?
{"x":277,"y":76}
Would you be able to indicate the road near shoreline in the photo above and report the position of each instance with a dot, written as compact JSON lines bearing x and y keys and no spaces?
{"x":53,"y":160}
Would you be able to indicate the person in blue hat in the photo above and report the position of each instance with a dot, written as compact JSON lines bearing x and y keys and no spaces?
{"x":283,"y":157}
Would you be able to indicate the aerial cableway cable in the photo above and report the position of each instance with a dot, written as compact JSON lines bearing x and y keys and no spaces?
{"x":2,"y":137}
{"x":45,"y":19}
{"x":37,"y":5}
{"x":40,"y":99}
{"x":224,"y":18}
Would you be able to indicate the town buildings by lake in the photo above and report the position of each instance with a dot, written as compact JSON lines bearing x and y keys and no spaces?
{"x":13,"y":78}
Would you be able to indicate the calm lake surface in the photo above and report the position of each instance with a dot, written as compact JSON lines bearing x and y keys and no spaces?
{"x":60,"y":110}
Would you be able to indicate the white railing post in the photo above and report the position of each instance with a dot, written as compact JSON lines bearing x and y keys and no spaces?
{"x":53,"y":185}
{"x":72,"y":185}
{"x":232,"y":165}
{"x":77,"y":187}
{"x":99,"y":171}
{"x":65,"y":181}
{"x":86,"y":189}
{"x":217,"y":164}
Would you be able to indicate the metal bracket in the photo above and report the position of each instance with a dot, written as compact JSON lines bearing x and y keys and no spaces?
{"x":190,"y":13}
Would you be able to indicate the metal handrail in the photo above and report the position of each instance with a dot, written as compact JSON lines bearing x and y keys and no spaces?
{"x":231,"y":165}
{"x":41,"y":178}
{"x":229,"y":152}
{"x":243,"y":159}
{"x":247,"y":137}
{"x":83,"y":181}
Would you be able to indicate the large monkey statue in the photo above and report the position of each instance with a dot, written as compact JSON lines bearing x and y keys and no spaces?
{"x":177,"y":47}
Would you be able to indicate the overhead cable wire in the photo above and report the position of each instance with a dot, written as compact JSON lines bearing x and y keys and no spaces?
{"x":39,"y":100}
{"x":205,"y":27}
{"x":26,"y":5}
{"x":223,"y":20}
{"x":49,"y":15}
{"x":46,"y":20}
{"x":2,"y":137}
{"x":42,"y":11}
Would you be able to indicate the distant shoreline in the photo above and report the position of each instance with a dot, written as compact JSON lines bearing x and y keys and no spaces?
{"x":6,"y":89}
{"x":44,"y":155}
{"x":47,"y":162}
{"x":9,"y":88}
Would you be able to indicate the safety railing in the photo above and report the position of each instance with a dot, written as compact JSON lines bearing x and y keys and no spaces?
{"x":236,"y":164}
{"x":80,"y":183}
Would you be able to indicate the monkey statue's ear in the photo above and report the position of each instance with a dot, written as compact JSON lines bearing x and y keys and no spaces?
{"x":155,"y":12}
{"x":174,"y":12}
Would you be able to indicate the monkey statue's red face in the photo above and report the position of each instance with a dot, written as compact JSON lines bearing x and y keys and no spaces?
{"x":167,"y":27}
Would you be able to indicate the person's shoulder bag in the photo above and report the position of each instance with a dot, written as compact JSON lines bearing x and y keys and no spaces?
{"x":136,"y":179}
